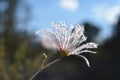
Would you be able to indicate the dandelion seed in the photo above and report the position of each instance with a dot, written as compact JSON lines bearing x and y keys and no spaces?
{"x":67,"y":40}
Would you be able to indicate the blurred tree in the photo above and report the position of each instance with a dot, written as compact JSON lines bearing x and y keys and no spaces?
{"x":18,"y":57}
{"x":112,"y":46}
{"x":91,"y":31}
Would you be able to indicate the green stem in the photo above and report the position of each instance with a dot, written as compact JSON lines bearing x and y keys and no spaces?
{"x":43,"y":63}
{"x":49,"y":64}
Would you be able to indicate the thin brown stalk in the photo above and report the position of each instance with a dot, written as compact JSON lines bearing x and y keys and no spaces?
{"x":49,"y":64}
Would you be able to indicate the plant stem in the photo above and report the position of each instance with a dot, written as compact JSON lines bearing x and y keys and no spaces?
{"x":49,"y":64}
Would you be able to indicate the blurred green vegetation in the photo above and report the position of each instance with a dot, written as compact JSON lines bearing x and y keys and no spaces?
{"x":19,"y":58}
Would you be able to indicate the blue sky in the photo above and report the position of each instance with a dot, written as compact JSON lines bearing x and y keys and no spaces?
{"x":99,"y":12}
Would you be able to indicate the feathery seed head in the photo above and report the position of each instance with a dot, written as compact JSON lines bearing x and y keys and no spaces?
{"x":67,"y":40}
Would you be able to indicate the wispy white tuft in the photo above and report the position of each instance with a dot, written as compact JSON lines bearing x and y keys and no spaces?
{"x":70,"y":5}
{"x":67,"y":40}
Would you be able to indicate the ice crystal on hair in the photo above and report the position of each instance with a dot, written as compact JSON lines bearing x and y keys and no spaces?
{"x":67,"y":40}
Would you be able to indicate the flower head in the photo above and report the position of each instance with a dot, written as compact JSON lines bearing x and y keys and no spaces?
{"x":68,"y":40}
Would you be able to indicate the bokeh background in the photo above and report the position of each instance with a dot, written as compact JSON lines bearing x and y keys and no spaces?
{"x":21,"y":50}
